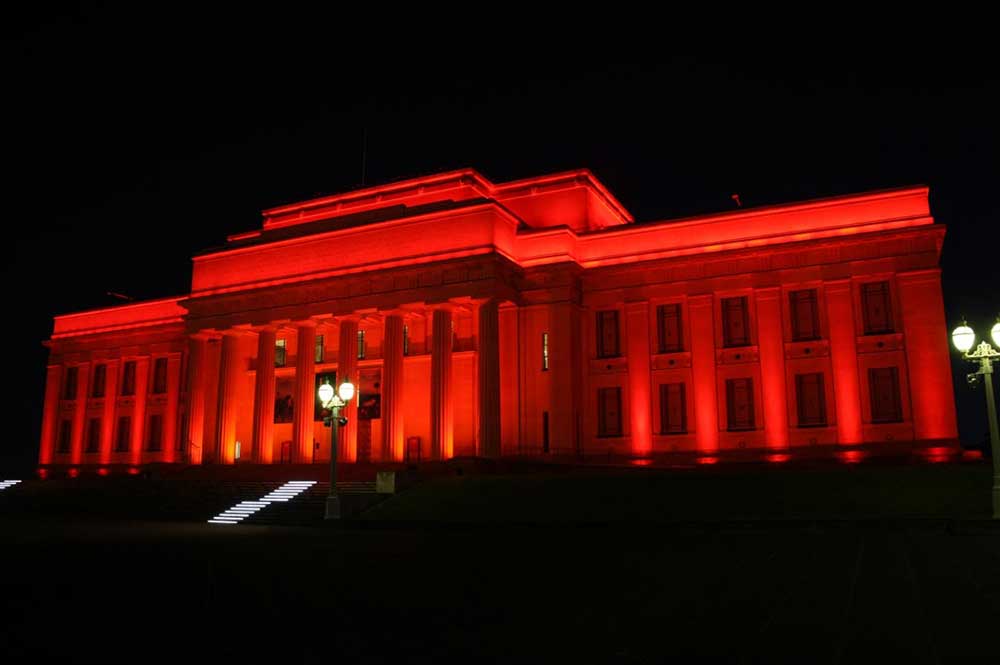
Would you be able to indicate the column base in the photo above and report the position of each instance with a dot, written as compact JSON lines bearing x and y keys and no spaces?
{"x":332,"y":507}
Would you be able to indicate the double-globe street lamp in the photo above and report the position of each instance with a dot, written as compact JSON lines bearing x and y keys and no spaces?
{"x":964,"y":337}
{"x":333,"y":402}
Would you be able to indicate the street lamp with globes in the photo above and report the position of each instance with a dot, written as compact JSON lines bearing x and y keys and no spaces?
{"x":333,"y":402}
{"x":964,"y":337}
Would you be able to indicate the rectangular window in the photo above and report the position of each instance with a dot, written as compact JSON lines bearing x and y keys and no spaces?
{"x":876,"y":308}
{"x":406,"y":340}
{"x":100,"y":379}
{"x":124,"y":435}
{"x":65,"y":436}
{"x":810,"y":398}
{"x":609,"y":411}
{"x":160,"y":376}
{"x":673,"y":409}
{"x":607,"y":334}
{"x":545,"y":352}
{"x":69,"y":385}
{"x":280,"y":352}
{"x":155,"y":432}
{"x":883,"y":389}
{"x":739,"y":405}
{"x":735,"y":322}
{"x":320,"y":351}
{"x":804,"y":311}
{"x":361,"y":344}
{"x":668,"y":325}
{"x":93,"y":435}
{"x":128,"y":378}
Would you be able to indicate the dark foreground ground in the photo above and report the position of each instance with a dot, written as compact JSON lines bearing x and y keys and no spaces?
{"x":761,"y":577}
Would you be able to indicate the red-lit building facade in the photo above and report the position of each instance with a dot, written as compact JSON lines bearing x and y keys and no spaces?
{"x":529,"y":317}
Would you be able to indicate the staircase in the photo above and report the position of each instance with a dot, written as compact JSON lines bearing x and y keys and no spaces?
{"x":4,"y":484}
{"x":309,"y":507}
{"x":247,"y":508}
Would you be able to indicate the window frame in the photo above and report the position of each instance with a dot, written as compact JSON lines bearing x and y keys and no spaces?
{"x":159,"y":382}
{"x":615,"y":317}
{"x":98,"y":384}
{"x":897,"y":395}
{"x":731,"y":387}
{"x":728,"y":341}
{"x":661,"y":327}
{"x":128,"y":378}
{"x":804,"y":422}
{"x":664,"y":391}
{"x":865,"y":291}
{"x":603,"y":431}
{"x":794,"y":303}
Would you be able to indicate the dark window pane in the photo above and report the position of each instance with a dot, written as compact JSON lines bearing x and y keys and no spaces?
{"x":320,"y":351}
{"x":93,"y":435}
{"x":607,"y":334}
{"x":668,"y":323}
{"x":876,"y":308}
{"x":883,"y":388}
{"x":128,"y":378}
{"x":739,"y":404}
{"x":69,"y":385}
{"x":100,"y":379}
{"x":155,"y":432}
{"x":735,"y":322}
{"x":160,"y":376}
{"x":124,"y":436}
{"x":804,"y":314}
{"x":65,"y":436}
{"x":673,"y":409}
{"x":811,"y":400}
{"x":609,"y":411}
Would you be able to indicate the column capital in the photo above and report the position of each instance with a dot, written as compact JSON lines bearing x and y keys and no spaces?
{"x":837,"y":285}
{"x":701,"y":300}
{"x":305,"y":323}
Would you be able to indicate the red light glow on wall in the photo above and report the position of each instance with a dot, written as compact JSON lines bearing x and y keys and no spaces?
{"x":778,"y":458}
{"x":851,"y":456}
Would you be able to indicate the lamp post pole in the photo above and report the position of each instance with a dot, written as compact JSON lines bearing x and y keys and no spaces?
{"x":963,"y":338}
{"x":986,"y":370}
{"x":332,"y":498}
{"x":334,"y":401}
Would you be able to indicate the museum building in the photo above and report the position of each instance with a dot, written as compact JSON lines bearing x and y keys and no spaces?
{"x":532,"y":317}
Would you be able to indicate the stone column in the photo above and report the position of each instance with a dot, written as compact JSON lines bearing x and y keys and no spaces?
{"x":771,"y":345}
{"x":226,"y":420}
{"x":305,"y":381}
{"x":194,"y":438}
{"x":347,"y":370}
{"x":442,"y":401}
{"x":50,"y":413}
{"x":110,"y":412}
{"x":263,"y":397}
{"x":925,"y":336}
{"x":80,"y":412}
{"x":139,"y":410}
{"x":392,"y":389}
{"x":172,"y":411}
{"x":488,"y":379}
{"x":706,"y":405}
{"x":637,"y":354}
{"x":844,"y":360}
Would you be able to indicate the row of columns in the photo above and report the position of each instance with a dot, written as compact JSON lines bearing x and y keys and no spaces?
{"x":392,"y":389}
{"x":110,"y":411}
{"x":926,"y":347}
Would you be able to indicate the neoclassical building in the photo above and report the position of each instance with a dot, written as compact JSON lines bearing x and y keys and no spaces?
{"x":531,"y":317}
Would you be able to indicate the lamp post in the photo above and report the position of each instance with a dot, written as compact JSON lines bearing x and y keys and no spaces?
{"x":963,"y":337}
{"x":334,"y":402}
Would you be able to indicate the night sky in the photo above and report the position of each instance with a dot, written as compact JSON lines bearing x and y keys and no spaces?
{"x":134,"y":140}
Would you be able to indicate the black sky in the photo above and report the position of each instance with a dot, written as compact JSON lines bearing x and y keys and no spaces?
{"x":134,"y":139}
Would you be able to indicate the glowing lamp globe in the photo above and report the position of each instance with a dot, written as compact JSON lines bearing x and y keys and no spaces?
{"x":995,"y":332}
{"x":325,"y":393}
{"x":346,"y":391}
{"x":963,"y":338}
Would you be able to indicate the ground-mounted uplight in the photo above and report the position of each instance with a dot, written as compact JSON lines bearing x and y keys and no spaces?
{"x":964,"y":337}
{"x":333,"y":402}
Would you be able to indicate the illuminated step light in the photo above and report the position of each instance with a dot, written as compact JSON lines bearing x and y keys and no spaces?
{"x":245,"y":509}
{"x":4,"y":484}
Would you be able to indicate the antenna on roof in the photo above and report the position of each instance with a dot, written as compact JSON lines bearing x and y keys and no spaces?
{"x":120,"y":296}
{"x":736,"y":197}
{"x":364,"y":153}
